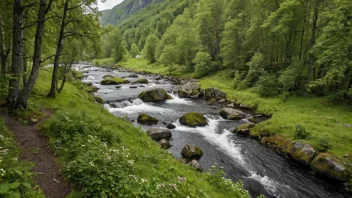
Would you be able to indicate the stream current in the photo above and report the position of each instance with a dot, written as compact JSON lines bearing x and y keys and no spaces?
{"x":261,"y":169}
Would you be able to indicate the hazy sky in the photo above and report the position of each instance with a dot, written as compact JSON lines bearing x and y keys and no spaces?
{"x":108,"y":4}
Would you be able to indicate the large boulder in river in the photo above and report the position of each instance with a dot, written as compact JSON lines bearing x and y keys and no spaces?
{"x":190,"y":89}
{"x":329,"y":166}
{"x":159,"y":133}
{"x":193,"y":119}
{"x":301,"y":152}
{"x":231,"y":114}
{"x":214,"y":93}
{"x":114,"y":81}
{"x":156,"y":95}
{"x":146,"y":119}
{"x":133,"y":76}
{"x":190,"y":151}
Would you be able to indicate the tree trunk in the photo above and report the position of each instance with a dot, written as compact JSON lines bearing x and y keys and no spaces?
{"x":4,"y":58}
{"x":17,"y":53}
{"x":67,"y":68}
{"x":27,"y":89}
{"x":314,"y":29}
{"x":52,"y":93}
{"x":24,"y":67}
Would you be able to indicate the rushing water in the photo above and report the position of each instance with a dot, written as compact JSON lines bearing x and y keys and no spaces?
{"x":261,"y":170}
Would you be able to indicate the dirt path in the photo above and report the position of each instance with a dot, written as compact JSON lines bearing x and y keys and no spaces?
{"x":35,"y":148}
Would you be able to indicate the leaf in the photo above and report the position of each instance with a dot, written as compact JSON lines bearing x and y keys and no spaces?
{"x":27,"y":185}
{"x":4,"y":188}
{"x":14,"y":195}
{"x":15,"y":185}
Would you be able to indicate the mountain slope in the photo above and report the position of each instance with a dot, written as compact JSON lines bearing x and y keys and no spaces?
{"x":123,"y":11}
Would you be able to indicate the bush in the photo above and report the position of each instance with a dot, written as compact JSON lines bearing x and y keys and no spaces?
{"x":289,"y":79}
{"x":256,"y":69}
{"x":268,"y":86}
{"x":324,"y":142}
{"x":301,"y":132}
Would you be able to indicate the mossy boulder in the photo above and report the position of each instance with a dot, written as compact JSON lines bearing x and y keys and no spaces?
{"x":277,"y":142}
{"x":133,"y":76}
{"x":190,"y":89}
{"x":156,"y":95}
{"x":331,"y":167}
{"x":301,"y":152}
{"x":190,"y":151}
{"x":214,"y":93}
{"x":108,"y":76}
{"x":159,"y":133}
{"x":146,"y":119}
{"x":142,"y":81}
{"x":231,"y":114}
{"x":91,"y":89}
{"x":193,"y":119}
{"x":244,"y":129}
{"x":114,"y":81}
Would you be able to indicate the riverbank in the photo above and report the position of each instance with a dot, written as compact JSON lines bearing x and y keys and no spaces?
{"x":103,"y":155}
{"x":324,"y":122}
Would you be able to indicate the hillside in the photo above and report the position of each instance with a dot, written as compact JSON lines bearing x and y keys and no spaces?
{"x":123,"y":11}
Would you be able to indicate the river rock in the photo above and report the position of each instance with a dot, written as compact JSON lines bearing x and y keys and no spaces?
{"x":32,"y":121}
{"x":182,"y":94}
{"x":301,"y":152}
{"x":193,"y":119}
{"x":159,"y":133}
{"x":108,"y":76}
{"x":164,"y":144}
{"x":118,"y":87}
{"x":190,"y":89}
{"x":195,"y":164}
{"x":169,"y":125}
{"x":133,"y":87}
{"x":231,"y":114}
{"x":244,"y":129}
{"x":142,"y":81}
{"x":158,"y":78}
{"x":133,"y":76}
{"x":329,"y":166}
{"x":215,"y":93}
{"x":231,"y":105}
{"x":190,"y":151}
{"x":114,"y":81}
{"x":154,"y":95}
{"x":98,"y":100}
{"x":146,"y":119}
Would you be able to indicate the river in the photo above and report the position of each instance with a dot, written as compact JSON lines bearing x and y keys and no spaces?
{"x":261,"y":169}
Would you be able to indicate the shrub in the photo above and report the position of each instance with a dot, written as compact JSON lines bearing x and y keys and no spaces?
{"x":289,"y":79}
{"x":268,"y":86}
{"x":256,"y":69}
{"x":324,"y":142}
{"x":301,"y":132}
{"x":203,"y":64}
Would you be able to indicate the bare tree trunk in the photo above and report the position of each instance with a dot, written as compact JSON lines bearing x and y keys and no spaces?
{"x":24,"y":67}
{"x":314,"y":29}
{"x":27,"y":89}
{"x":67,"y":69}
{"x":17,"y":53}
{"x":52,"y":93}
{"x":4,"y":57}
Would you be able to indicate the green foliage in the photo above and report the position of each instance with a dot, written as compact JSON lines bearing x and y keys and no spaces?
{"x":150,"y":47}
{"x":267,"y":86}
{"x":16,"y":178}
{"x":203,"y":64}
{"x":289,"y":79}
{"x":256,"y":69}
{"x":134,"y":50}
{"x":324,"y":142}
{"x":300,"y":132}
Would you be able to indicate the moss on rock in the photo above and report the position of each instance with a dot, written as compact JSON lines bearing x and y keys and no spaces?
{"x":142,"y":81}
{"x":156,"y":95}
{"x":244,"y":129}
{"x":193,"y":119}
{"x":108,"y":76}
{"x":146,"y":119}
{"x":190,"y":151}
{"x":331,"y":167}
{"x":114,"y":81}
{"x":98,"y":100}
{"x":301,"y":152}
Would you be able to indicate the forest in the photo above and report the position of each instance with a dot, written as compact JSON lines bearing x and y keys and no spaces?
{"x":277,"y":46}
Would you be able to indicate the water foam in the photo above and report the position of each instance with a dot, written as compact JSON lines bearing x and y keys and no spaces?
{"x":137,"y":105}
{"x":221,"y":140}
{"x":176,"y":100}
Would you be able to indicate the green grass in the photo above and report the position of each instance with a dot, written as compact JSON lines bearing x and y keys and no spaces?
{"x":317,"y":115}
{"x":150,"y":163}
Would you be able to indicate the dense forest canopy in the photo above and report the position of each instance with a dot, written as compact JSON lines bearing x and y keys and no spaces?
{"x":276,"y":46}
